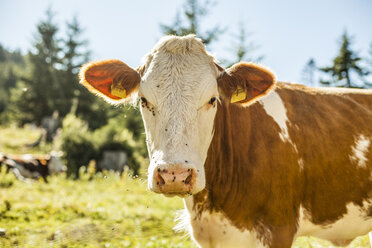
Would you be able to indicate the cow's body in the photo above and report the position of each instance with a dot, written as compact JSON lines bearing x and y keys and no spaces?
{"x":305,"y":157}
{"x":33,"y":166}
{"x":264,"y":162}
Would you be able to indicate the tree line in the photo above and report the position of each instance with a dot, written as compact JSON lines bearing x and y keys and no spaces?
{"x":44,"y":81}
{"x":43,"y":84}
{"x":347,"y":69}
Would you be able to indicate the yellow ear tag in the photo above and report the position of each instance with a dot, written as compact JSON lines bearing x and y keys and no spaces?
{"x":238,"y":95}
{"x":119,"y":92}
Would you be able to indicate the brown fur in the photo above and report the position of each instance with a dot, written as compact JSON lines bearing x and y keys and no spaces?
{"x":98,"y":77}
{"x":252,"y":176}
{"x":257,"y":183}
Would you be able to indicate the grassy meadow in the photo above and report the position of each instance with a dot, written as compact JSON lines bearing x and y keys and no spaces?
{"x":99,"y":210}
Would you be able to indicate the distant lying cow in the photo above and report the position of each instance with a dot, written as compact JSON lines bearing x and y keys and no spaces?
{"x":33,"y":166}
{"x":258,"y":162}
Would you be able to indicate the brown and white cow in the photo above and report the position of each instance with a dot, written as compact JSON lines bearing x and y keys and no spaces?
{"x":33,"y":166}
{"x":258,"y":162}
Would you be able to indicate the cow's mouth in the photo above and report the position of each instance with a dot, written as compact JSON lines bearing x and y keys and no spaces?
{"x":179,"y":194}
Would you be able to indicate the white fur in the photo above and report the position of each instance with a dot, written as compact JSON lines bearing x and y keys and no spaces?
{"x":213,"y":230}
{"x":354,"y":223}
{"x":341,"y":90}
{"x":274,"y":106}
{"x":179,"y":81}
{"x":55,"y":165}
{"x":360,"y":150}
{"x":27,"y":158}
{"x":22,"y":173}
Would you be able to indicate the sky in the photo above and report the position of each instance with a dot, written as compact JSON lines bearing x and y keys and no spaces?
{"x":288,"y":32}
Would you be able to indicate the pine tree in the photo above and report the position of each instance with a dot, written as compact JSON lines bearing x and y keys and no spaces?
{"x":75,"y":55}
{"x":368,"y":81}
{"x":41,"y":92}
{"x":344,"y":64}
{"x":86,"y":106}
{"x":194,"y":12}
{"x":369,"y":60}
{"x":47,"y":45}
{"x":11,"y":80}
{"x":12,"y":63}
{"x":308,"y":72}
{"x":2,"y":54}
{"x":244,"y":48}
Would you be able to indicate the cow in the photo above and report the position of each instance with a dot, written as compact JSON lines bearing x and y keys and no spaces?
{"x":33,"y":166}
{"x":257,"y":162}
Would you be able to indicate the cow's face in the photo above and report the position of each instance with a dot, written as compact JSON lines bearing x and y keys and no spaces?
{"x":178,"y":87}
{"x":178,"y":94}
{"x":55,"y":165}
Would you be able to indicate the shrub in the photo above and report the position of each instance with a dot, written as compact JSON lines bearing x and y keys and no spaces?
{"x":77,"y":144}
{"x":114,"y":137}
{"x":80,"y":145}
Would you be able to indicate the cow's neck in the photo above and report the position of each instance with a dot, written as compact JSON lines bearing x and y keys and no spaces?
{"x":238,"y":175}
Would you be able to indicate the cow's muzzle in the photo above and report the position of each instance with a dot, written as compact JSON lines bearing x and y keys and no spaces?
{"x":174,"y":179}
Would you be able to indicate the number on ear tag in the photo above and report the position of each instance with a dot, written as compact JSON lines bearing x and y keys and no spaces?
{"x":119,"y":92}
{"x":238,"y":95}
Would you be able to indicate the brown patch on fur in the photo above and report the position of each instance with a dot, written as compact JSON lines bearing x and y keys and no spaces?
{"x":255,"y":80}
{"x":98,"y":77}
{"x":43,"y":162}
{"x":328,"y":127}
{"x":257,"y":182}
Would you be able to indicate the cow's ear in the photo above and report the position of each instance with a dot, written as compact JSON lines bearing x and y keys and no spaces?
{"x":244,"y":83}
{"x":112,"y":80}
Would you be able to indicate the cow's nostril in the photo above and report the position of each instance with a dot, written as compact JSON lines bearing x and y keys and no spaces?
{"x":188,"y":179}
{"x":174,"y":179}
{"x":160,"y":180}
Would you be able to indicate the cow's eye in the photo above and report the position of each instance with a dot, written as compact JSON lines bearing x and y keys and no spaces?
{"x":143,"y":100}
{"x":213,"y":99}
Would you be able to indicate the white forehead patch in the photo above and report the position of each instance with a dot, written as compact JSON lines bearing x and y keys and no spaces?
{"x":179,"y":79}
{"x":274,"y":107}
{"x":359,"y":151}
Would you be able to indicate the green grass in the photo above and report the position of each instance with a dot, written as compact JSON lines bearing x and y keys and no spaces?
{"x":102,"y":210}
{"x":14,"y":140}
{"x":106,"y":211}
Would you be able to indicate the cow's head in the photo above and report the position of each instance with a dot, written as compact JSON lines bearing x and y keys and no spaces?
{"x":179,"y":87}
{"x":55,"y":165}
